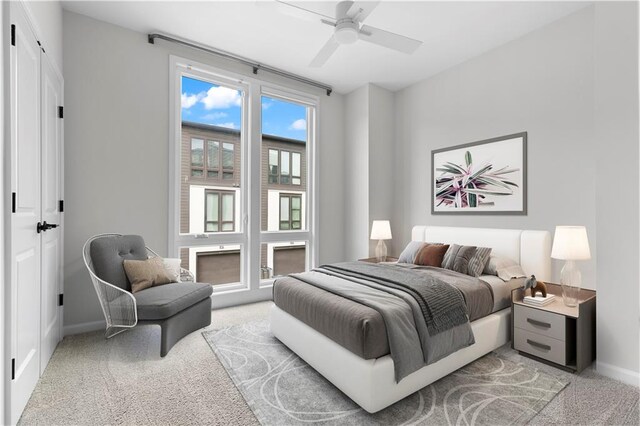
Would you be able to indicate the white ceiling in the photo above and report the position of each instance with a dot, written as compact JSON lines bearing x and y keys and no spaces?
{"x":452,"y":32}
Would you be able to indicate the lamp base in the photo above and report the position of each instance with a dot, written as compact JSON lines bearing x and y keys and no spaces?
{"x":381,"y":251}
{"x":571,"y":279}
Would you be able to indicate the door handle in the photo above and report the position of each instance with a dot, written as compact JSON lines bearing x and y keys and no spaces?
{"x":41,"y":227}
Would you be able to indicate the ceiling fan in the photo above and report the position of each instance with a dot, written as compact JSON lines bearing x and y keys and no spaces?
{"x":348,"y":28}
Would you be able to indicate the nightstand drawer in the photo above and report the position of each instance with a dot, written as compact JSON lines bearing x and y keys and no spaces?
{"x":540,"y":322}
{"x":541,"y":346}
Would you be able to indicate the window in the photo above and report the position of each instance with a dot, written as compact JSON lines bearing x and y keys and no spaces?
{"x":274,"y":172}
{"x":228,"y":173}
{"x":219,"y":211}
{"x":227,"y":160}
{"x":289,"y":173}
{"x":290,"y":212}
{"x":211,"y":157}
{"x":197,"y":157}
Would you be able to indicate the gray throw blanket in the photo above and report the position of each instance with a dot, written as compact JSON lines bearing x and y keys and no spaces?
{"x":441,"y":304}
{"x":425,"y":316}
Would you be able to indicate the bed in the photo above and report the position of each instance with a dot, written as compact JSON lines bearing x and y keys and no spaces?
{"x":346,"y":341}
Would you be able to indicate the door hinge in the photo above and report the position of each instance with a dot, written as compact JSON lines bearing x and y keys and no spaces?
{"x":13,"y":368}
{"x":60,"y":112}
{"x":61,"y":206}
{"x":13,"y":202}
{"x":61,"y":299}
{"x":13,"y":34}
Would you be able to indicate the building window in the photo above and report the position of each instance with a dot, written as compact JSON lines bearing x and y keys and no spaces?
{"x":219,"y":211}
{"x":273,"y":166}
{"x":290,"y":212}
{"x":197,"y":157}
{"x":212,"y":158}
{"x":284,"y":167}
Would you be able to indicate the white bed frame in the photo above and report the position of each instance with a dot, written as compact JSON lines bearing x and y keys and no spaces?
{"x":371,"y":383}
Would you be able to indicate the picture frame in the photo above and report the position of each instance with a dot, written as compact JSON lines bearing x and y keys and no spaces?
{"x":487,"y":177}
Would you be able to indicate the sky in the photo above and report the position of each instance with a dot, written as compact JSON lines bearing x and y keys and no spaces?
{"x":207,"y":103}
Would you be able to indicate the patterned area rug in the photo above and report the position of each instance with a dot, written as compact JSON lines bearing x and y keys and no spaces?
{"x":282,"y":389}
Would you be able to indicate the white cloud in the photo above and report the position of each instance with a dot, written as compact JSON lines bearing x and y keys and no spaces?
{"x":219,"y":97}
{"x":228,"y":125}
{"x":266,"y":105}
{"x":188,"y":101}
{"x":300,"y":124}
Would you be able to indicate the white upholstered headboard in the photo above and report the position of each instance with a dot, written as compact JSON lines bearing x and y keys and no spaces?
{"x":532,"y":249}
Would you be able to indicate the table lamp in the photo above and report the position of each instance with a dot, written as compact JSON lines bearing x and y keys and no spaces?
{"x":381,"y":230}
{"x":570,"y":243}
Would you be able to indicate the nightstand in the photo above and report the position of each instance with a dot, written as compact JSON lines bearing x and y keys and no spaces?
{"x":555,"y":333}
{"x":375,"y":260}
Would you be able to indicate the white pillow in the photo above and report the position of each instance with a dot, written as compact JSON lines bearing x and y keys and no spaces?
{"x":172,"y":265}
{"x":504,"y":268}
{"x":409,"y":253}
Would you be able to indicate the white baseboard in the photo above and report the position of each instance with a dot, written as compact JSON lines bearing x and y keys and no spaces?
{"x":84,"y":327}
{"x":622,"y":374}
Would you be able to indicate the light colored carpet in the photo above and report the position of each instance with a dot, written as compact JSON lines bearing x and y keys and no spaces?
{"x":284,"y":390}
{"x":123,"y":380}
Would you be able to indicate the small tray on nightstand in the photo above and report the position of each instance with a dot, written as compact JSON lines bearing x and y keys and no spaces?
{"x":555,"y":333}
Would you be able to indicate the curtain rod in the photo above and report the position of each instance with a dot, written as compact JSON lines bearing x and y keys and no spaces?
{"x":254,"y":65}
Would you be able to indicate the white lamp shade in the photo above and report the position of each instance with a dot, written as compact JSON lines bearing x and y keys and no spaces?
{"x":570,"y":243}
{"x":381,"y":230}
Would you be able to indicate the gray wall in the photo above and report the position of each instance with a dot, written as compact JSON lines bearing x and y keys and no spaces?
{"x":117,"y":145}
{"x":356,"y":173}
{"x":369,"y":153}
{"x":616,"y":150}
{"x":541,"y":83}
{"x":573,"y":86}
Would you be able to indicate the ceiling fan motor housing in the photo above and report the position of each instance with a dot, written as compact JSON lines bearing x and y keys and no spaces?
{"x":346,"y":32}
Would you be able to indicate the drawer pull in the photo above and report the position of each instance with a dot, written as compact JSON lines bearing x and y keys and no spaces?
{"x":539,"y":345}
{"x":539,"y":323}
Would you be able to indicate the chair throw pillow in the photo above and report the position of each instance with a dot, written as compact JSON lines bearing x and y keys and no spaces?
{"x":431,"y":255}
{"x":457,"y":258}
{"x":146,"y":273}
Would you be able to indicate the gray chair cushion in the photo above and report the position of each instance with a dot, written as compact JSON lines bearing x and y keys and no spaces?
{"x":109,"y":253}
{"x":161,"y":302}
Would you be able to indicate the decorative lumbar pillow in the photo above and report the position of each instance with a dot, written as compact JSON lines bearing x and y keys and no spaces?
{"x":172,"y":265}
{"x":431,"y":255}
{"x":478,"y":261}
{"x":457,"y":258}
{"x":146,"y":273}
{"x":409,"y":253}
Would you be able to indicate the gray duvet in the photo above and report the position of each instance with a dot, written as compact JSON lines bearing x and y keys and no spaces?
{"x":426,"y":311}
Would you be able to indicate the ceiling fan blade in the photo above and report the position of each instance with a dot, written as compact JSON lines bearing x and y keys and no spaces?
{"x":361,"y":9}
{"x":325,"y":53}
{"x":296,"y":11}
{"x":387,"y":39}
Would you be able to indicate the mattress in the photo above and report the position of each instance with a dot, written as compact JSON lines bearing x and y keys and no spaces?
{"x":357,"y":327}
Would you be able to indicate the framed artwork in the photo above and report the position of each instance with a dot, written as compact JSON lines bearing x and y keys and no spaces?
{"x":484,"y":177}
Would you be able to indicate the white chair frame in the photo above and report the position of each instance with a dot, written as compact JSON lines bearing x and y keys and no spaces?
{"x":118,"y":305}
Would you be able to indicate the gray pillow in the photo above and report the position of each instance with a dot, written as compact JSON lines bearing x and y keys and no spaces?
{"x":478,"y":261}
{"x":409,"y":253}
{"x":457,"y":258}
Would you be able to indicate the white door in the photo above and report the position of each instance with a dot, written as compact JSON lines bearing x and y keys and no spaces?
{"x":26,"y":208}
{"x":51,"y":239}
